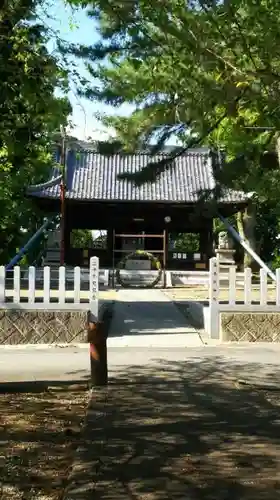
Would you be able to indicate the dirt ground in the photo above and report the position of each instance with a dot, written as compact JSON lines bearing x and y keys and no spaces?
{"x":39,"y":433}
{"x":201,"y":293}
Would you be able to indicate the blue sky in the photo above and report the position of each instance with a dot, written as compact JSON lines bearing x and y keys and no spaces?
{"x":76,"y":27}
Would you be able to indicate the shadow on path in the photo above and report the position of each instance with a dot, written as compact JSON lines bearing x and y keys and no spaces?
{"x":181,"y":430}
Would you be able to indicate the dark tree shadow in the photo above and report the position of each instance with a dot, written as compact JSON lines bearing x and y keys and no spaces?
{"x":39,"y":432}
{"x":182,"y":430}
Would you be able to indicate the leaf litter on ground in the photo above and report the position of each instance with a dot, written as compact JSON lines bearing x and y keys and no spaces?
{"x":39,"y":433}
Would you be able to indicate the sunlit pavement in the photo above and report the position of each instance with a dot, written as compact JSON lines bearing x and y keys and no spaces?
{"x":72,"y":363}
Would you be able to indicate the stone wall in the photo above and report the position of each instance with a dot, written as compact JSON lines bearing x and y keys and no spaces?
{"x":42,"y":327}
{"x":254,"y":327}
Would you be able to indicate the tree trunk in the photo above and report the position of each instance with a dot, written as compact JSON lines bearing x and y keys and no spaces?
{"x":246,"y":224}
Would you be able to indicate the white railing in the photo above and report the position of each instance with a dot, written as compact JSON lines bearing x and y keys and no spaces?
{"x":257,"y":295}
{"x":39,"y":289}
{"x":69,"y":275}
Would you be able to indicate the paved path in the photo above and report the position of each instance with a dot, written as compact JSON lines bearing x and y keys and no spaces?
{"x":148,"y":318}
{"x":71,"y":363}
{"x":183,"y":429}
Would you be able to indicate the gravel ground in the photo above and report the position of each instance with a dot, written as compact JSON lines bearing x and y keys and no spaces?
{"x":39,"y":433}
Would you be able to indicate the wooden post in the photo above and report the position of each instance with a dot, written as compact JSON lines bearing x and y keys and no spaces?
{"x":164,"y":257}
{"x":113,"y":257}
{"x":206,"y":244}
{"x":62,"y":198}
{"x":97,"y":336}
{"x":98,"y":353}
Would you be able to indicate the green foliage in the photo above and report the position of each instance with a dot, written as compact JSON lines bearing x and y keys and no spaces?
{"x":185,"y":242}
{"x":30,"y":114}
{"x":275,"y":264}
{"x":81,"y":238}
{"x":205,"y":71}
{"x":267,"y":229}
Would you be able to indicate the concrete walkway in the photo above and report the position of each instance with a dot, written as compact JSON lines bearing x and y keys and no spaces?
{"x":72,"y":363}
{"x":148,"y":318}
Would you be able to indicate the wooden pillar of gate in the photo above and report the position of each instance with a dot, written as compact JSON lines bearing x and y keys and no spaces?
{"x":113,"y":257}
{"x":206,"y":244}
{"x":164,"y":260}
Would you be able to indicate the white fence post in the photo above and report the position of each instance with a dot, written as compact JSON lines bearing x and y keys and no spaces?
{"x":61,"y":285}
{"x":47,"y":284}
{"x":31,"y":284}
{"x":263,"y":287}
{"x":16,"y":284}
{"x":94,"y":285}
{"x":214,"y":299}
{"x":278,"y":287}
{"x":232,"y":285}
{"x":247,"y":286}
{"x":77,"y":284}
{"x":2,"y":284}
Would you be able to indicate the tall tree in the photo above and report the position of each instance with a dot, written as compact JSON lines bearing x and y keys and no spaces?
{"x":30,"y":114}
{"x":206,"y":71}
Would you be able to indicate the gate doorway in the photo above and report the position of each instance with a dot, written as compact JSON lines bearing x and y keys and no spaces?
{"x":141,"y":253}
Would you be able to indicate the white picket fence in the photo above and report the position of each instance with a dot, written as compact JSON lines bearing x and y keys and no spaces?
{"x":262,"y":297}
{"x":34,"y":290}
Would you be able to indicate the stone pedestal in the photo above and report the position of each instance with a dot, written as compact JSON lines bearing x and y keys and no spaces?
{"x":226,"y":260}
{"x":138,"y":265}
{"x":225,"y":256}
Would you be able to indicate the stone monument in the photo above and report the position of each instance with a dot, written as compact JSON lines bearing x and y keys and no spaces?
{"x":225,"y":251}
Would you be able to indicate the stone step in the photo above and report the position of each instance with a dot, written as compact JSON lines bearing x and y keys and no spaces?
{"x":52,"y":257}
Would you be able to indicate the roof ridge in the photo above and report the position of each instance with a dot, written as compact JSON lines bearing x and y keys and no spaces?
{"x":146,"y":153}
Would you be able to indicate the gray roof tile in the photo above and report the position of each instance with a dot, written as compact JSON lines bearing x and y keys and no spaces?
{"x":94,"y":176}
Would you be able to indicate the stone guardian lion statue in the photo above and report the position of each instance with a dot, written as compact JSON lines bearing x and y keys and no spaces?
{"x":224,"y":241}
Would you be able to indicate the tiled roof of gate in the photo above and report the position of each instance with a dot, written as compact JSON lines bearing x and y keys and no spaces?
{"x":94,"y":176}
